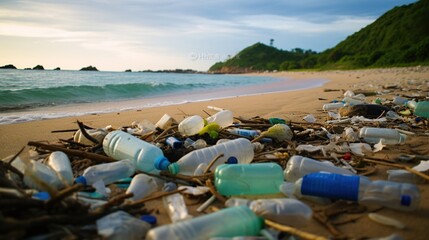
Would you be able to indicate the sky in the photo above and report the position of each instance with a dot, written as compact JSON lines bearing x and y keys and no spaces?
{"x":168,"y":34}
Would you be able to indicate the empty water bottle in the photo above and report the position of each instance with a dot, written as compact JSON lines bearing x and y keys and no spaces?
{"x":142,"y":185}
{"x":245,"y":132}
{"x":121,"y":145}
{"x":223,"y":118}
{"x":121,"y":225}
{"x":41,"y":177}
{"x":60,"y":163}
{"x":291,"y":212}
{"x":229,"y":222}
{"x":240,"y":148}
{"x":107,"y":172}
{"x":401,"y":196}
{"x":299,"y":166}
{"x":191,"y":125}
{"x":386,"y":135}
{"x":248,"y":179}
{"x":333,"y":106}
{"x":176,"y":207}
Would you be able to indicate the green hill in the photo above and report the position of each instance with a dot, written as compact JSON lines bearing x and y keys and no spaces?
{"x":398,"y":38}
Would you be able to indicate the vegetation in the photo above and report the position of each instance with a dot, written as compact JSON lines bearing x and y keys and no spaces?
{"x":398,"y":38}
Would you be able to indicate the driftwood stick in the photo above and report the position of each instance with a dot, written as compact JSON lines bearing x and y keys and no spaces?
{"x":93,"y":156}
{"x":212,"y":162}
{"x":85,"y":133}
{"x":64,"y":193}
{"x":164,"y":132}
{"x":294,"y":231}
{"x":215,"y":193}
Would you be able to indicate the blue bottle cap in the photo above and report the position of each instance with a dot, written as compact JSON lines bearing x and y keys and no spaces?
{"x":232,"y":160}
{"x":406,"y":200}
{"x":149,"y":219}
{"x":42,"y":196}
{"x":161,"y":163}
{"x":81,"y":179}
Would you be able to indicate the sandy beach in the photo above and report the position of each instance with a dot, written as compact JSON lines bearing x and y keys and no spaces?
{"x":293,"y":105}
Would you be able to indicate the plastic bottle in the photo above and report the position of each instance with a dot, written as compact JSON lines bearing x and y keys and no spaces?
{"x":332,"y":106}
{"x":121,"y":145}
{"x":223,"y":118}
{"x":386,"y":135}
{"x":291,"y":212}
{"x":142,"y":185}
{"x":176,"y":207}
{"x":228,"y":222}
{"x":60,"y":163}
{"x":401,"y":196}
{"x":248,"y":179}
{"x":121,"y":225}
{"x":98,"y":134}
{"x":174,"y":142}
{"x":164,"y":122}
{"x":299,"y":166}
{"x":40,"y":176}
{"x":191,"y":125}
{"x":352,"y":101}
{"x":107,"y":172}
{"x":241,"y":148}
{"x":399,"y":100}
{"x":422,"y":109}
{"x":244,"y":132}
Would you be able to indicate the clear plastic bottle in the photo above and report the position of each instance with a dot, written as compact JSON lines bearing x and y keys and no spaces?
{"x":386,"y":135}
{"x":399,"y":100}
{"x":291,"y":212}
{"x":174,"y":142}
{"x":422,"y":109}
{"x":352,"y":101}
{"x":98,"y":134}
{"x":241,"y":148}
{"x":401,"y":196}
{"x":142,"y":185}
{"x":223,"y":118}
{"x":299,"y":166}
{"x":332,"y":106}
{"x":121,"y":225}
{"x":121,"y":145}
{"x":245,"y":132}
{"x":60,"y":163}
{"x":248,"y":179}
{"x":191,"y":125}
{"x":228,"y":222}
{"x":37,"y":172}
{"x":176,"y":207}
{"x":107,"y":172}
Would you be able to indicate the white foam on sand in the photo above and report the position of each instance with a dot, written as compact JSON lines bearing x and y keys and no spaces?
{"x":282,"y":85}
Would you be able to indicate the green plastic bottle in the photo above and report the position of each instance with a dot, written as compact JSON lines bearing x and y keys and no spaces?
{"x":422,"y":109}
{"x":248,"y":179}
{"x":228,"y":222}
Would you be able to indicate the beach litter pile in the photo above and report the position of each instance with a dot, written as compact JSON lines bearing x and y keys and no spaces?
{"x":224,"y":176}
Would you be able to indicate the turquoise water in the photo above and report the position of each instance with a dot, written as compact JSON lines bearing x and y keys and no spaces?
{"x":27,"y":95}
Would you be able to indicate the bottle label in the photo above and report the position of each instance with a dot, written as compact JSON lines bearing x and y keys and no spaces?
{"x":331,"y":185}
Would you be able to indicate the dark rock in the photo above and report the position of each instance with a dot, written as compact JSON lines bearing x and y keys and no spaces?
{"x":39,"y":67}
{"x":128,"y":70}
{"x":9,"y":66}
{"x":367,"y":110}
{"x":57,"y":68}
{"x":89,"y":68}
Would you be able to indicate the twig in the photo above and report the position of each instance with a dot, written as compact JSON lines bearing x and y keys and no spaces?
{"x":16,"y":155}
{"x":214,"y":192}
{"x":86,"y":134}
{"x":64,"y":193}
{"x":420,"y":174}
{"x":164,"y":132}
{"x":115,"y":201}
{"x":150,"y":198}
{"x":213,"y":161}
{"x":65,"y":130}
{"x":93,"y":156}
{"x":294,"y":231}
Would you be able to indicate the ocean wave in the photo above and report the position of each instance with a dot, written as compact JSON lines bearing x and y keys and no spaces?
{"x":39,"y":97}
